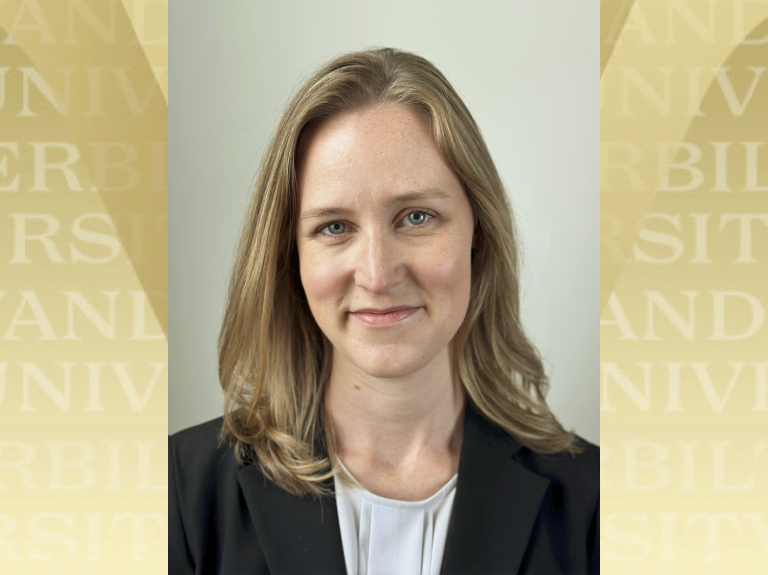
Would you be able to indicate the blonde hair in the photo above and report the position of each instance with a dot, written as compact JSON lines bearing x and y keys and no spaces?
{"x":274,"y":361}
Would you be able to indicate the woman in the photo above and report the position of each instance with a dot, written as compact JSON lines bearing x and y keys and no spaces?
{"x":385,"y":411}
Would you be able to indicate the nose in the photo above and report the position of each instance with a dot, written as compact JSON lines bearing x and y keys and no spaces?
{"x":379,"y":265}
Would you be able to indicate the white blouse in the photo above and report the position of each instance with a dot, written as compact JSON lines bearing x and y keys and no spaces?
{"x":388,"y":537}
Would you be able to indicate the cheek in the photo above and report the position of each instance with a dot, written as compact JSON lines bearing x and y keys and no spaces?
{"x":448,"y":275}
{"x":320,"y":278}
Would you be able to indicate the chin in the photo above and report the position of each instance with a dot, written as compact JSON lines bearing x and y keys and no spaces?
{"x":391,"y":363}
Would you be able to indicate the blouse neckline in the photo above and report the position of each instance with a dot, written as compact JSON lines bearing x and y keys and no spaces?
{"x":379,"y":500}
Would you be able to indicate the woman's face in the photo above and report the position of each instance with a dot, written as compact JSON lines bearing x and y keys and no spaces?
{"x":384,"y":239}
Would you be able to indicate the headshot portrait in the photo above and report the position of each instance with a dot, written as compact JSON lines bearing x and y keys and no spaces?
{"x":383,"y":287}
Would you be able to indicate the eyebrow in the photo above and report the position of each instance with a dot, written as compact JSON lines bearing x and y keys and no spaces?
{"x":410,"y":196}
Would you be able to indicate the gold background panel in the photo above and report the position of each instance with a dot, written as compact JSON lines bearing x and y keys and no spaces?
{"x":684,"y":246}
{"x":83,"y":286}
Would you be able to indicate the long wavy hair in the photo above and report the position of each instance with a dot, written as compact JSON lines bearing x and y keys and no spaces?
{"x":274,"y":360}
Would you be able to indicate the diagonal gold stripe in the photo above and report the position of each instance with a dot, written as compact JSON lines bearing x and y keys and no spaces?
{"x":671,"y":129}
{"x":140,"y":13}
{"x":613,"y":15}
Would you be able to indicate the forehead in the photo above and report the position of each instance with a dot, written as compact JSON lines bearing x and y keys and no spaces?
{"x":370,"y":154}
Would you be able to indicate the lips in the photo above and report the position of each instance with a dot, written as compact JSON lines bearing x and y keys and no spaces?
{"x":374,"y":317}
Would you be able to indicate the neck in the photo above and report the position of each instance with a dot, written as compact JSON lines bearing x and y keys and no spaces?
{"x":395,"y":423}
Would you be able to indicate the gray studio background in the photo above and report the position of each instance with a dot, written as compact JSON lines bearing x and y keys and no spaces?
{"x":529,"y":72}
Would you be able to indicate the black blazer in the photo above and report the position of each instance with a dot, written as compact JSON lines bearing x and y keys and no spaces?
{"x":515,"y":511}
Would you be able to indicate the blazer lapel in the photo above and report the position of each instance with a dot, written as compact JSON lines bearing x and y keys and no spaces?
{"x":496,"y":504}
{"x":299,"y":535}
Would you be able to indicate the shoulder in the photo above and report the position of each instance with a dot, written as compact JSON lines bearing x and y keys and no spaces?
{"x":200,"y":458}
{"x":209,"y":528}
{"x":200,"y":452}
{"x":195,"y":445}
{"x":569,"y":513}
{"x":574,"y":483}
{"x":578,"y":472}
{"x":579,"y":467}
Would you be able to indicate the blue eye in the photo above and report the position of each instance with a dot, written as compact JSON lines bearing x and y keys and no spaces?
{"x":335,"y":228}
{"x":418,"y":218}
